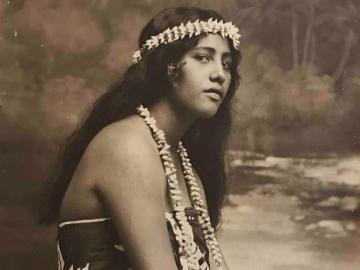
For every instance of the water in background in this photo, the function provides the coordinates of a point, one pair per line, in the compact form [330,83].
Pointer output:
[292,213]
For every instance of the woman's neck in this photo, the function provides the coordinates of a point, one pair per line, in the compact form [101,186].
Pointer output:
[171,120]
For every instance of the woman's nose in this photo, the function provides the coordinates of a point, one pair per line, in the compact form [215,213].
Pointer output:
[218,74]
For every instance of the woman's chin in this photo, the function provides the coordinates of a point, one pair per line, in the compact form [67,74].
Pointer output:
[207,112]
[204,110]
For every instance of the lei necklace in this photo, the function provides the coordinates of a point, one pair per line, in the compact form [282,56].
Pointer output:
[187,246]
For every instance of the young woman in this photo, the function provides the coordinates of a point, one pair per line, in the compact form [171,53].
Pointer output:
[141,183]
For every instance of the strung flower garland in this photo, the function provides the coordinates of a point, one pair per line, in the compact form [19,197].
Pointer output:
[204,219]
[187,246]
[189,29]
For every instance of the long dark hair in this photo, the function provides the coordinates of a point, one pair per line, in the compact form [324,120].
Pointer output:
[145,82]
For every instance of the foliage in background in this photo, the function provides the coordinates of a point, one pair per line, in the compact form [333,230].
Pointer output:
[300,91]
[299,68]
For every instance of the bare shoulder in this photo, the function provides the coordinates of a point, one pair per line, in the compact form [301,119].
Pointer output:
[129,133]
[123,143]
[122,154]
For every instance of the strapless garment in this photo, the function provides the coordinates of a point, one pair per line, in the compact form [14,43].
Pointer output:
[94,244]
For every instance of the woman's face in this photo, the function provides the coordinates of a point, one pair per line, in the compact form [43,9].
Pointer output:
[204,77]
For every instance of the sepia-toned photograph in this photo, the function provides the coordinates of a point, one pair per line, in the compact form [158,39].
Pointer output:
[180,135]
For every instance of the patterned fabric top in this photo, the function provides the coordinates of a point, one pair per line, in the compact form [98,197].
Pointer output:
[94,244]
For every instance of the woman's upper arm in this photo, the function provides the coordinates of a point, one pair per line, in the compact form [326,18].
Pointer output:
[129,179]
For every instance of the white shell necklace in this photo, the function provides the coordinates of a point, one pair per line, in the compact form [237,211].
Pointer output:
[187,246]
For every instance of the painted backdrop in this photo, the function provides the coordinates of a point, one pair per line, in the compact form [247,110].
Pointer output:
[293,155]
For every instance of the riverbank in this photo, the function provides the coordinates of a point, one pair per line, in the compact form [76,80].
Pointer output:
[293,214]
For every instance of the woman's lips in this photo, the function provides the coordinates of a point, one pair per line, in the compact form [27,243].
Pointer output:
[214,94]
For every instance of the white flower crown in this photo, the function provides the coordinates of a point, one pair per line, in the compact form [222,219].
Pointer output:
[190,29]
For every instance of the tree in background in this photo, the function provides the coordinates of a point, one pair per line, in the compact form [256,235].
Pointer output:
[297,61]
[289,98]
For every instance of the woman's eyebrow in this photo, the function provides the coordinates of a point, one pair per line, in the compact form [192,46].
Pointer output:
[212,51]
[208,49]
[227,55]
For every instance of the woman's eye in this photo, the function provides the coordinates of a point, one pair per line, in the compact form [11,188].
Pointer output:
[227,65]
[202,58]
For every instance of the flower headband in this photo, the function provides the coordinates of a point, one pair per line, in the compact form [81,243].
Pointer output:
[190,29]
